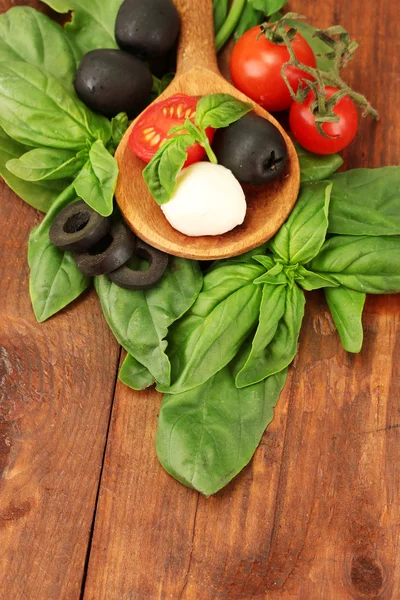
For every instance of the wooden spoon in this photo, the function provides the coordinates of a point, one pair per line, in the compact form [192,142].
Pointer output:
[267,206]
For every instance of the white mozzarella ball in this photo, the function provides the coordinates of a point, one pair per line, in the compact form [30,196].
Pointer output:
[208,200]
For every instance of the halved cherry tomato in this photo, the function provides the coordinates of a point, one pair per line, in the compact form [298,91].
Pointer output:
[151,129]
[302,124]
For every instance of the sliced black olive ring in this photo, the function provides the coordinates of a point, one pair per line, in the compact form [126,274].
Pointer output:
[132,279]
[108,254]
[78,227]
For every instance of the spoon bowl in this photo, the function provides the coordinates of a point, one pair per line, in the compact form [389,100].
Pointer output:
[268,206]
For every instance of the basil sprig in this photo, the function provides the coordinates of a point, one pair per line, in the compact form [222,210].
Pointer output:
[214,110]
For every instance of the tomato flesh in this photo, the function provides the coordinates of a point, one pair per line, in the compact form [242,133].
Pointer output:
[152,127]
[302,124]
[256,65]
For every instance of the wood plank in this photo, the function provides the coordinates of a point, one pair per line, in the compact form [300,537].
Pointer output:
[56,389]
[315,515]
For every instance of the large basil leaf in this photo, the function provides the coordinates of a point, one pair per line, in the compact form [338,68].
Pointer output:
[55,280]
[316,167]
[303,234]
[365,264]
[365,202]
[42,164]
[161,172]
[207,435]
[27,35]
[140,319]
[267,7]
[275,342]
[96,182]
[210,335]
[311,281]
[92,24]
[346,307]
[219,110]
[134,374]
[36,110]
[40,195]
[247,257]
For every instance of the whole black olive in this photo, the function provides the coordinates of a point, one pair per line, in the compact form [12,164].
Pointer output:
[112,81]
[252,148]
[78,227]
[132,279]
[147,28]
[109,253]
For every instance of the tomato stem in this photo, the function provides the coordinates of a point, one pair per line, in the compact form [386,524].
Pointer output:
[342,52]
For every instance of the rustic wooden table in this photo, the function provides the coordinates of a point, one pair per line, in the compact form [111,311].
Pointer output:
[87,512]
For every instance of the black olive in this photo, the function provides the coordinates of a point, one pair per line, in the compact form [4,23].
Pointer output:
[131,279]
[109,253]
[147,28]
[252,148]
[112,81]
[78,227]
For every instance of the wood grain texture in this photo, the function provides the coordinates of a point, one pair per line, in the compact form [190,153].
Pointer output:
[315,515]
[56,389]
[267,206]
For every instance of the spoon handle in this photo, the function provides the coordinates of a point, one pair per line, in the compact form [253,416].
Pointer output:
[196,43]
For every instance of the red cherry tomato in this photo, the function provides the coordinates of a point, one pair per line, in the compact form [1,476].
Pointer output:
[151,129]
[256,65]
[302,124]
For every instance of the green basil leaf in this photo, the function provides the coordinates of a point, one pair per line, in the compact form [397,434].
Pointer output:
[159,85]
[134,374]
[40,195]
[219,110]
[45,164]
[55,280]
[312,281]
[267,7]
[96,182]
[272,309]
[365,264]
[316,167]
[210,335]
[92,24]
[36,110]
[303,234]
[220,11]
[140,319]
[266,261]
[249,18]
[26,35]
[119,125]
[320,49]
[366,202]
[220,283]
[275,276]
[207,435]
[275,343]
[161,172]
[246,257]
[346,307]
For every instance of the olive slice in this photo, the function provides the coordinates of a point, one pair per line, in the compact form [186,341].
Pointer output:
[77,227]
[132,279]
[110,253]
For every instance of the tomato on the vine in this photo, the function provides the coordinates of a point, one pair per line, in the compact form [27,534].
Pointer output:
[152,127]
[302,124]
[256,65]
